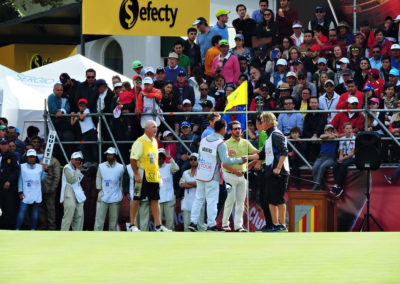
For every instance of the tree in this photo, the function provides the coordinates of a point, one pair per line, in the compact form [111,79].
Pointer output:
[8,11]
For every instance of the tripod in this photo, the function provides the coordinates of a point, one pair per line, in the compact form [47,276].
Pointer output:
[367,216]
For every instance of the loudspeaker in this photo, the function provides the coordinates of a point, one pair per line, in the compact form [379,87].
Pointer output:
[368,150]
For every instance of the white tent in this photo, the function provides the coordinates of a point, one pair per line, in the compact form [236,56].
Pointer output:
[44,78]
[21,104]
[23,95]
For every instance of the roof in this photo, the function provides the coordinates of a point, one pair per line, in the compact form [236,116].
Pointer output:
[60,25]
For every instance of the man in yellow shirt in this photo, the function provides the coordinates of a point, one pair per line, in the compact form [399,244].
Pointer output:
[234,176]
[144,163]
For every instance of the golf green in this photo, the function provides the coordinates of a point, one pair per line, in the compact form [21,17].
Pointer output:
[121,257]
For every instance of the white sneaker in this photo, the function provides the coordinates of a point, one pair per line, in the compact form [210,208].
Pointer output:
[163,229]
[133,229]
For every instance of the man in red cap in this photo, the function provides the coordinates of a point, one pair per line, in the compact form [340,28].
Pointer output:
[376,82]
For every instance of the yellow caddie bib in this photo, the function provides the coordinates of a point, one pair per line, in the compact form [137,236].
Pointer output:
[149,161]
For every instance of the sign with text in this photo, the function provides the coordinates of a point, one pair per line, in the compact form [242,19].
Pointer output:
[49,147]
[142,17]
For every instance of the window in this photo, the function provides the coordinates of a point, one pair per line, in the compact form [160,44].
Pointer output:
[113,57]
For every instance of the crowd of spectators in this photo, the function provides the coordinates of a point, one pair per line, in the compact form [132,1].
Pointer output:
[289,65]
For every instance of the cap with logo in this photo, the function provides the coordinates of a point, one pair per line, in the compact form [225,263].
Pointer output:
[221,12]
[223,42]
[160,70]
[264,86]
[207,103]
[111,150]
[77,155]
[185,124]
[374,72]
[31,153]
[137,64]
[64,77]
[147,80]
[352,100]
[182,73]
[199,21]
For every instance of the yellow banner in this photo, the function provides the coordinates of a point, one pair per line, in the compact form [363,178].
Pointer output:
[142,17]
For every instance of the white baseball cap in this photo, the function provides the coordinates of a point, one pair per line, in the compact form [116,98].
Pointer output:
[31,152]
[148,80]
[166,133]
[186,101]
[111,150]
[77,155]
[149,69]
[352,100]
[395,46]
[281,61]
[291,74]
[344,60]
[161,151]
[296,25]
[194,155]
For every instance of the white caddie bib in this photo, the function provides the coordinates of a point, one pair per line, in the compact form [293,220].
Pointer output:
[167,187]
[190,193]
[110,185]
[207,159]
[79,194]
[31,183]
[148,108]
[269,152]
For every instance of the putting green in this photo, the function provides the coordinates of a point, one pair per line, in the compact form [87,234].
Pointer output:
[120,257]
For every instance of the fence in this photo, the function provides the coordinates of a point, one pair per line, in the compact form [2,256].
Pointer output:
[102,120]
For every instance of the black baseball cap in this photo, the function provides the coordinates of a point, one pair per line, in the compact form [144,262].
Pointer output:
[207,103]
[64,77]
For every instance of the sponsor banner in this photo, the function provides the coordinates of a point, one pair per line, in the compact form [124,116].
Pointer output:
[142,17]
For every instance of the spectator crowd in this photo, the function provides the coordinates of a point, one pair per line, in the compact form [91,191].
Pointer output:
[289,65]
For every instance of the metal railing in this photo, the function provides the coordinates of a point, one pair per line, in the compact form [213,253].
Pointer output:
[160,115]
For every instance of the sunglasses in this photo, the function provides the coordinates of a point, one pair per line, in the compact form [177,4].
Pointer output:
[319,11]
[90,77]
[203,89]
[267,14]
[328,86]
[354,104]
[236,128]
[288,104]
[193,159]
[376,52]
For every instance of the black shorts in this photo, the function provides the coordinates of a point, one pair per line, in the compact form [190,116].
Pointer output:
[151,190]
[275,188]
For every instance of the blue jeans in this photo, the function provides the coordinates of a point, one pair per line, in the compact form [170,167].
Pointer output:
[34,214]
[339,170]
[396,174]
[322,163]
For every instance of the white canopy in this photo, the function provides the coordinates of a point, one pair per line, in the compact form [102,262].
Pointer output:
[23,95]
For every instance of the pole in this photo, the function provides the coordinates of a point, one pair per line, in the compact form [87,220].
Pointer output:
[355,16]
[247,173]
[82,35]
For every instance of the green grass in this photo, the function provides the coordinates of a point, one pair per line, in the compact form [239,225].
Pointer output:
[120,257]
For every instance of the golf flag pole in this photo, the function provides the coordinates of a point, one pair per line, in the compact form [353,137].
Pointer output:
[247,167]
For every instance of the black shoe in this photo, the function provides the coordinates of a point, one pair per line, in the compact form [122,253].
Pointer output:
[214,229]
[193,227]
[388,179]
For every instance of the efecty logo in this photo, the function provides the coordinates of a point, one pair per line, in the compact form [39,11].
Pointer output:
[130,11]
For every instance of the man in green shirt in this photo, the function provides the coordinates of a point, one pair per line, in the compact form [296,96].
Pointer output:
[183,60]
[234,176]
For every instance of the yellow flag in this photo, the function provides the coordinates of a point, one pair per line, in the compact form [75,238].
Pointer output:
[237,97]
